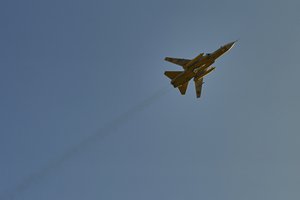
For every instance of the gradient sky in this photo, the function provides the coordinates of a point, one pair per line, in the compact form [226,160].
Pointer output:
[69,69]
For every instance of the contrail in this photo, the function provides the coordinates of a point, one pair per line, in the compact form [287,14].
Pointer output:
[102,133]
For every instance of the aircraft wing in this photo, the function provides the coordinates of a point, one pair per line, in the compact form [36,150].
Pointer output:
[178,61]
[198,86]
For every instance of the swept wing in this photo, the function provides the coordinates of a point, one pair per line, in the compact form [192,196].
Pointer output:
[178,61]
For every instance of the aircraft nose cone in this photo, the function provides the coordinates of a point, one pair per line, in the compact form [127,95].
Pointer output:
[230,45]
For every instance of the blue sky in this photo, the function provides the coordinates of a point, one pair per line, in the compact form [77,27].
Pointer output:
[86,112]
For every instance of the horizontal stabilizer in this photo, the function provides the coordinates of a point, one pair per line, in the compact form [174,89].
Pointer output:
[172,74]
[198,86]
[183,88]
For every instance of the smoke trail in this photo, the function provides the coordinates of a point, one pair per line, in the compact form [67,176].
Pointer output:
[102,133]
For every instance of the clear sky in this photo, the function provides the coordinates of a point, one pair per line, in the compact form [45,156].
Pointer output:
[86,112]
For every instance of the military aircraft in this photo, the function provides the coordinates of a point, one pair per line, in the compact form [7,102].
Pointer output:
[196,68]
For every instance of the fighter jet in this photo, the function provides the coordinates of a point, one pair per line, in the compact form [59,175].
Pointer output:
[196,68]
